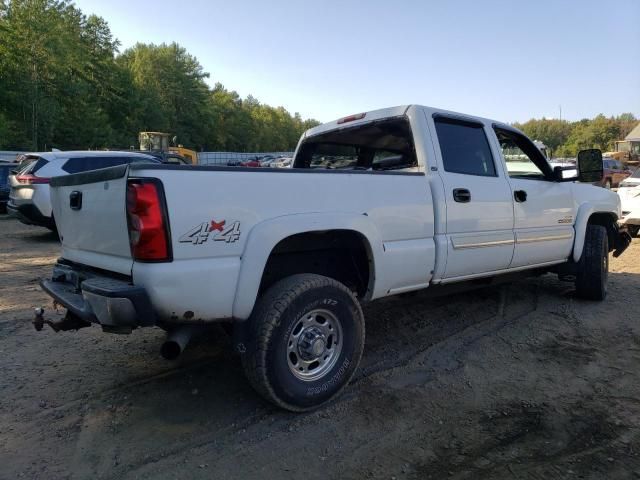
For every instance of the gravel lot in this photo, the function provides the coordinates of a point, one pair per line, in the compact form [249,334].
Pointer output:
[521,381]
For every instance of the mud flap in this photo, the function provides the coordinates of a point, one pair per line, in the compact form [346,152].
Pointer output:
[622,241]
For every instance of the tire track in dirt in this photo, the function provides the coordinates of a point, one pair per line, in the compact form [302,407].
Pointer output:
[470,331]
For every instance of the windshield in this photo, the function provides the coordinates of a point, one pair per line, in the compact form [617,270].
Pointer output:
[383,145]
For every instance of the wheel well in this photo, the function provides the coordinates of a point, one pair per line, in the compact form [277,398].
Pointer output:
[343,255]
[607,220]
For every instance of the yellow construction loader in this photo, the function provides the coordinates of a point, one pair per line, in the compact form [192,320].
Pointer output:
[159,142]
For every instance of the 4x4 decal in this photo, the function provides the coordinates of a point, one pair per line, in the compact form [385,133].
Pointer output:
[213,231]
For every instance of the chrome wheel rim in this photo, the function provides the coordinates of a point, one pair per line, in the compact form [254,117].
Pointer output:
[314,345]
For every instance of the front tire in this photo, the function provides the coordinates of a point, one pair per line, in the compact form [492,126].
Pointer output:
[593,267]
[306,340]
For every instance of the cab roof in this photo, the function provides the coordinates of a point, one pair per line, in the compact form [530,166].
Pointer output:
[398,111]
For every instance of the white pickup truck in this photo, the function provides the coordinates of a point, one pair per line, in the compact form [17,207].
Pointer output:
[376,204]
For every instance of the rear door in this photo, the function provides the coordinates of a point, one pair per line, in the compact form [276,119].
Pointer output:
[543,208]
[479,208]
[90,213]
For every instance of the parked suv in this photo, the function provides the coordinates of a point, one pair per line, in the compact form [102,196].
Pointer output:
[613,173]
[5,171]
[29,198]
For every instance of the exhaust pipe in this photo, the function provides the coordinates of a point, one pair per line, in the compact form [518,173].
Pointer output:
[176,342]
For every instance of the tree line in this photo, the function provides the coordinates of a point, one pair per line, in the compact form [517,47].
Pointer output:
[65,84]
[566,139]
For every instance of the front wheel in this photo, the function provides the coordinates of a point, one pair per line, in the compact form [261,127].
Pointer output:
[593,267]
[307,337]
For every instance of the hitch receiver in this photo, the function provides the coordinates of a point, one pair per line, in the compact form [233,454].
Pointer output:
[69,322]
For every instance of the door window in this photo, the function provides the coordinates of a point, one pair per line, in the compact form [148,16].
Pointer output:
[464,147]
[522,157]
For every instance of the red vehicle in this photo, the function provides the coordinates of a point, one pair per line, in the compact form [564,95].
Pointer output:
[251,162]
[613,173]
[263,161]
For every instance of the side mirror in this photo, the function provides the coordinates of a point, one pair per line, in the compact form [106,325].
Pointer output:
[590,165]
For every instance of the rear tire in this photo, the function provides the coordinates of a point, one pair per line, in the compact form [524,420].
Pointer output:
[633,230]
[593,267]
[306,337]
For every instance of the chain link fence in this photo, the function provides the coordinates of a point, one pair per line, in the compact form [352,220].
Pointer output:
[223,158]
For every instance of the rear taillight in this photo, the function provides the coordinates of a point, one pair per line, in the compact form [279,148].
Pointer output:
[147,220]
[29,179]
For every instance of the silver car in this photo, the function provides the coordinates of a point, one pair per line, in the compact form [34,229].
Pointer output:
[29,198]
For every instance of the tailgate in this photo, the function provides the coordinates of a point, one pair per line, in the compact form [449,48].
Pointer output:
[89,209]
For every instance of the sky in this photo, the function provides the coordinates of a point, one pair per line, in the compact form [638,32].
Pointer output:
[507,60]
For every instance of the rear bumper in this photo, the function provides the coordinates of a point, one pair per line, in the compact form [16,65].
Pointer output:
[113,303]
[29,214]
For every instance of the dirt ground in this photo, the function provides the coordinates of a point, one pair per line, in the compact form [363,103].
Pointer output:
[517,382]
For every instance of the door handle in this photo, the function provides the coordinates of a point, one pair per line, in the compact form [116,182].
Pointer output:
[461,195]
[520,196]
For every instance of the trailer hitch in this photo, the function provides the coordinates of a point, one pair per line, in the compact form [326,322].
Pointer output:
[69,322]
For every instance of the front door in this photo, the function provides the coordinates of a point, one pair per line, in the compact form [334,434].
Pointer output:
[543,208]
[479,208]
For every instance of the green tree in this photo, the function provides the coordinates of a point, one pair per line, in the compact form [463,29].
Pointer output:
[64,84]
[553,133]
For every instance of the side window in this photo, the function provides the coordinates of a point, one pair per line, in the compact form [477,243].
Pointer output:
[521,156]
[464,147]
[83,164]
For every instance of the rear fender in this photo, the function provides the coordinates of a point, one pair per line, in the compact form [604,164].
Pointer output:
[266,235]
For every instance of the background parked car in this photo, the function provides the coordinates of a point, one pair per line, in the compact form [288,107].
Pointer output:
[251,162]
[629,193]
[5,171]
[29,198]
[614,173]
[282,162]
[267,161]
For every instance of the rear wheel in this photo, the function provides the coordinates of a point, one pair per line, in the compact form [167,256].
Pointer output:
[307,337]
[593,267]
[633,230]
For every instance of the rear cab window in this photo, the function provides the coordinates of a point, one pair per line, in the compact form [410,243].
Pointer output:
[382,145]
